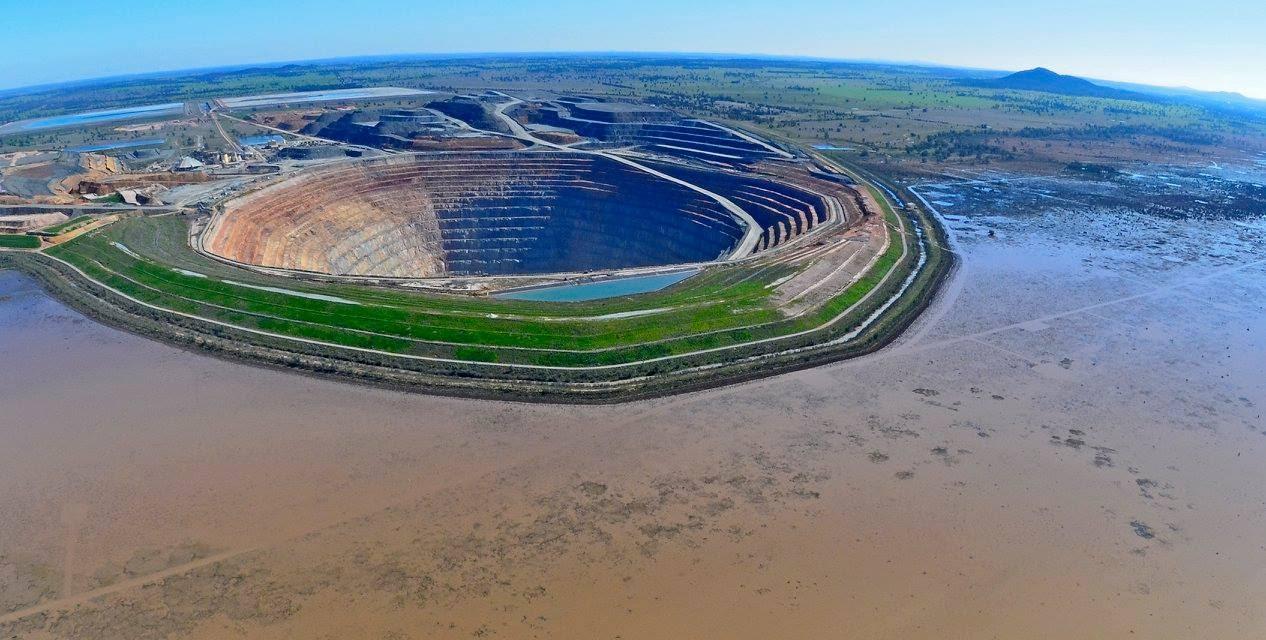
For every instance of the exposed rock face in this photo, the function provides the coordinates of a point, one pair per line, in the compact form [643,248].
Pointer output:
[317,153]
[473,213]
[25,222]
[99,163]
[473,112]
[621,112]
[394,128]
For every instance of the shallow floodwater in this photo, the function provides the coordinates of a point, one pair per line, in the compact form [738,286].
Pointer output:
[600,289]
[1070,444]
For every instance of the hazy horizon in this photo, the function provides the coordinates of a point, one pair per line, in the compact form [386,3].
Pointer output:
[1155,43]
[666,54]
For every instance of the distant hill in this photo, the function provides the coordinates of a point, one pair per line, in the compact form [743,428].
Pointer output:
[1226,101]
[1042,79]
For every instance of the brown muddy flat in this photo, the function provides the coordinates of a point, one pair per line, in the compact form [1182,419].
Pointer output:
[1071,444]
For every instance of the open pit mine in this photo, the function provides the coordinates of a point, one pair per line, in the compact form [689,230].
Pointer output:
[543,247]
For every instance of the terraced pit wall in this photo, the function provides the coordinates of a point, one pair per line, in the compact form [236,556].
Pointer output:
[473,214]
[693,138]
[784,211]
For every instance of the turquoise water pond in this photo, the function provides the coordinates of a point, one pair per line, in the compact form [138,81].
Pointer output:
[597,290]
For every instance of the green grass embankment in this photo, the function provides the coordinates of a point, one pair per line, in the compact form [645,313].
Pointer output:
[15,241]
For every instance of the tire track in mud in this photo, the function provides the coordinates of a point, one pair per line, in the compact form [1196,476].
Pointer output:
[134,583]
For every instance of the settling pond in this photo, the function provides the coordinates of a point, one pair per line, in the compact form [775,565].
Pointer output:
[93,117]
[298,97]
[260,140]
[118,144]
[612,288]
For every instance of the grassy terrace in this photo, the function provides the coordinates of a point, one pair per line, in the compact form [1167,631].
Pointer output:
[69,225]
[724,306]
[16,241]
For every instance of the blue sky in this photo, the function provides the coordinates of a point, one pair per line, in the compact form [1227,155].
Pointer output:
[1212,44]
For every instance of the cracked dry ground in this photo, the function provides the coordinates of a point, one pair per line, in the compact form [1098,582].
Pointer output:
[1058,450]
